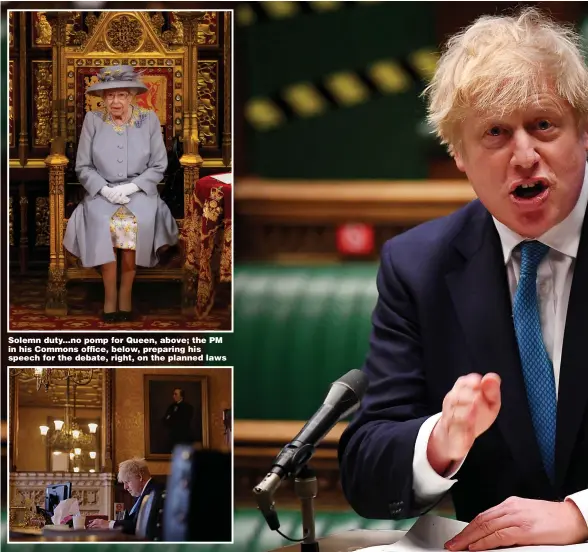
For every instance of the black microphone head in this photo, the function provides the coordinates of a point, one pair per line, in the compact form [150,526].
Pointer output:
[342,399]
[356,380]
[346,393]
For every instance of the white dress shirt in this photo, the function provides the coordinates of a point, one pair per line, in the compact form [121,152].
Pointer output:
[554,281]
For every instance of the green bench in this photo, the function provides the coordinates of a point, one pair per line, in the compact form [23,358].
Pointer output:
[297,329]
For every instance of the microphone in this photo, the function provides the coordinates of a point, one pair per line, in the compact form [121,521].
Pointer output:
[342,399]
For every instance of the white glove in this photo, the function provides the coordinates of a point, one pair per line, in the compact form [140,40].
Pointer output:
[114,195]
[128,189]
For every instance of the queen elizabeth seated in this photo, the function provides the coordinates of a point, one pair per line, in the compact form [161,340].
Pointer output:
[120,160]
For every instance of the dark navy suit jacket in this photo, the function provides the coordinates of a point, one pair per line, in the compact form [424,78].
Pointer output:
[129,523]
[444,310]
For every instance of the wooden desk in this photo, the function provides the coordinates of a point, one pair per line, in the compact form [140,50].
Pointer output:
[26,534]
[351,540]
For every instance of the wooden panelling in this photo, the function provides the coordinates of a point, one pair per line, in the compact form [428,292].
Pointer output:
[297,221]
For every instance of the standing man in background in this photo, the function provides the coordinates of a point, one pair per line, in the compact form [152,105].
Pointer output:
[477,380]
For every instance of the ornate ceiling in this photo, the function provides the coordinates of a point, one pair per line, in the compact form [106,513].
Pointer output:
[87,396]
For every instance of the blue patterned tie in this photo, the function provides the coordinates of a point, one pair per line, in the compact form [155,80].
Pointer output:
[537,367]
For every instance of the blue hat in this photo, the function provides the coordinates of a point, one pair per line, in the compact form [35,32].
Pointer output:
[117,76]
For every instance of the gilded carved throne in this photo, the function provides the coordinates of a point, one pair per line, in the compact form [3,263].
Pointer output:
[183,91]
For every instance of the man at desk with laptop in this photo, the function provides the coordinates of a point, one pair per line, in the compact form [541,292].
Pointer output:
[134,475]
[478,379]
[199,509]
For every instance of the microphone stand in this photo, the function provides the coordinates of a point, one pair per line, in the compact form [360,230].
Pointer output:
[343,399]
[306,488]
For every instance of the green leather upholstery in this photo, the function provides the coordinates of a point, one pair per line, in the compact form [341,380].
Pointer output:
[297,329]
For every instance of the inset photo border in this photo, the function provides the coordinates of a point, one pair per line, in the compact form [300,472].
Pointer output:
[82,443]
[70,272]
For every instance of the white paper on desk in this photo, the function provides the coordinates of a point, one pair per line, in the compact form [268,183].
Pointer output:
[68,507]
[432,532]
[225,178]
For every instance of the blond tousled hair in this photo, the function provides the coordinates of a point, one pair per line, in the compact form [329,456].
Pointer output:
[499,64]
[134,466]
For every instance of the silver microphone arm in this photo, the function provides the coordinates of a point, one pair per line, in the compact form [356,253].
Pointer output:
[264,496]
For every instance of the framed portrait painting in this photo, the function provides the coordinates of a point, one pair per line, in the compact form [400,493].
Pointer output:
[176,412]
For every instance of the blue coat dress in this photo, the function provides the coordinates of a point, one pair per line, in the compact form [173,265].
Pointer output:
[110,155]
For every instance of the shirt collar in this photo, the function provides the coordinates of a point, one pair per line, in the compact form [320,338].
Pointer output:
[563,237]
[145,486]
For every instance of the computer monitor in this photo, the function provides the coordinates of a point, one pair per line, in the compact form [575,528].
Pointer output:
[54,494]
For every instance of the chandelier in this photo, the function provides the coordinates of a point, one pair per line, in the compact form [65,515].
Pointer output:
[72,440]
[45,376]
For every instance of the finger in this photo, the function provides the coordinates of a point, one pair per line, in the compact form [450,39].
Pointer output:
[503,537]
[464,395]
[469,381]
[465,403]
[492,376]
[490,386]
[464,389]
[459,397]
[463,416]
[482,526]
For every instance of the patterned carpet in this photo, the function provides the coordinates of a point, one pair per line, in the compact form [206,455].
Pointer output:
[156,307]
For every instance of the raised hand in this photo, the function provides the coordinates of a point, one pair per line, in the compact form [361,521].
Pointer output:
[469,409]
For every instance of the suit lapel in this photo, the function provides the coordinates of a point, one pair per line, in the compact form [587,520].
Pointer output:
[573,378]
[479,291]
[137,505]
